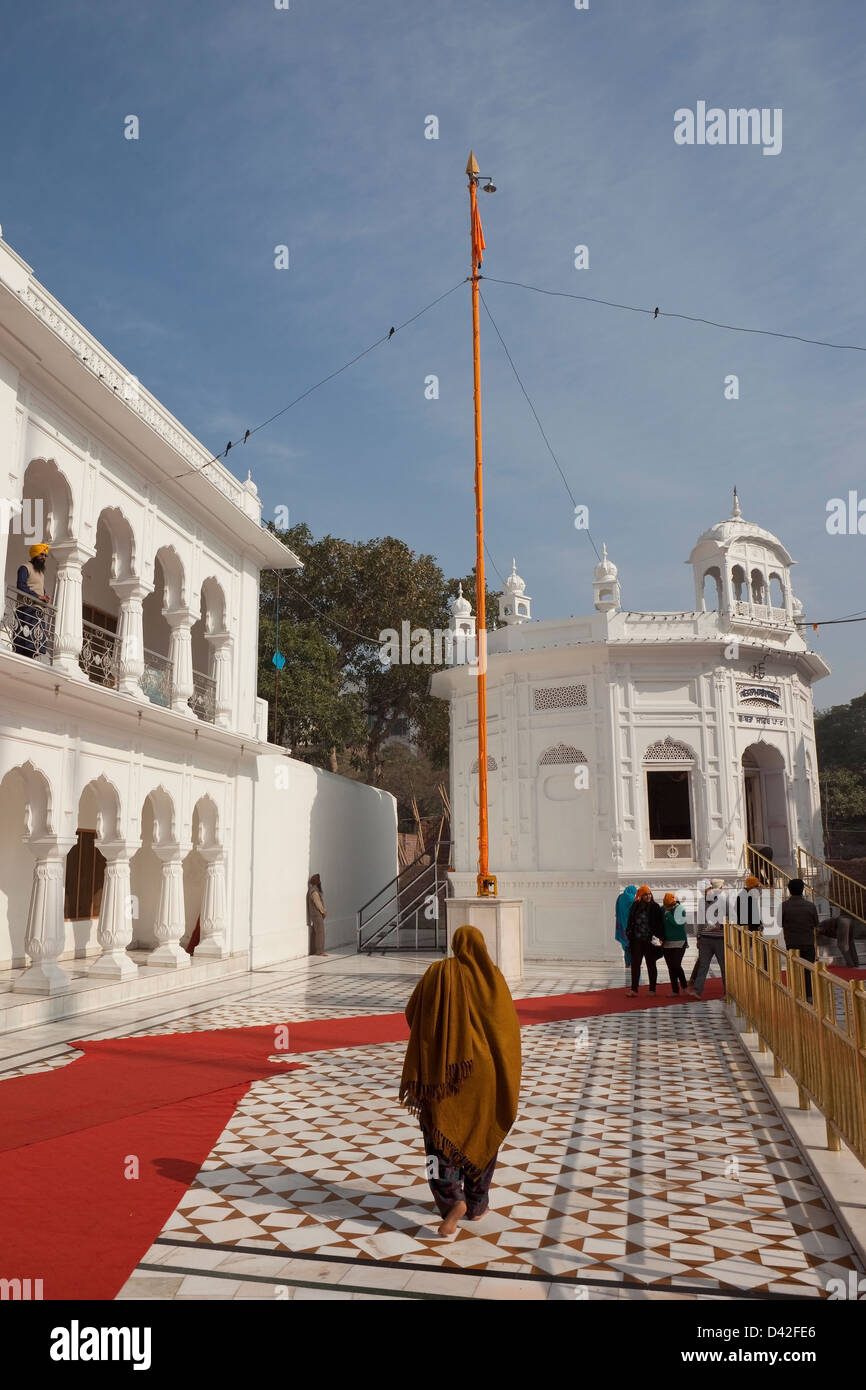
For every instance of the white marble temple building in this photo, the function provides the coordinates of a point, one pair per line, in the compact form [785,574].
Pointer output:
[139,794]
[631,747]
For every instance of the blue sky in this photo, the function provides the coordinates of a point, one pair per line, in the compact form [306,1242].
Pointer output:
[305,127]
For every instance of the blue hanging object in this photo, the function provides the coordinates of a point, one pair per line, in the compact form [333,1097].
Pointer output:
[278,659]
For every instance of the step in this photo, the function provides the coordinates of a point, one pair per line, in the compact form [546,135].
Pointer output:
[87,993]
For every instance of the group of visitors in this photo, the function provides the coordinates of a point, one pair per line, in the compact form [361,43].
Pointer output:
[648,931]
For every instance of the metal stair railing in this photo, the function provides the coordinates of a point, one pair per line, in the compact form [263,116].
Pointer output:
[826,882]
[822,882]
[399,904]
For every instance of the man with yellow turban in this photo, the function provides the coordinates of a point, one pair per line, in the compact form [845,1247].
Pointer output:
[31,620]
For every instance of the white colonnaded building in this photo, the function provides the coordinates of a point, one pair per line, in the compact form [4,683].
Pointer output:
[634,747]
[139,795]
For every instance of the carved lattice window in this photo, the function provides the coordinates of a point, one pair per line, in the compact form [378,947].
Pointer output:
[560,697]
[562,753]
[669,750]
[492,765]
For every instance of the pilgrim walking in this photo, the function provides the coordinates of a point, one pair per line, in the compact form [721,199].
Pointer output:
[461,1074]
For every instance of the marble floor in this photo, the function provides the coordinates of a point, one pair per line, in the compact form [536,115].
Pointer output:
[647,1160]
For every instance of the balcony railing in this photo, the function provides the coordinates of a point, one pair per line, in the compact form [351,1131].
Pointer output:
[762,613]
[27,625]
[155,679]
[100,655]
[202,701]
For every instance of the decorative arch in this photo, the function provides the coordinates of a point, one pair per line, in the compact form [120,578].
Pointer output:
[562,753]
[776,589]
[108,807]
[207,834]
[738,583]
[39,800]
[669,750]
[492,765]
[713,574]
[174,587]
[45,476]
[758,586]
[123,546]
[213,601]
[164,816]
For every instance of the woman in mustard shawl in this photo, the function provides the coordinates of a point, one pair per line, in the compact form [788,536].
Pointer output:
[461,1075]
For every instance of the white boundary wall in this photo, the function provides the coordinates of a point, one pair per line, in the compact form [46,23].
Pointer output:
[308,821]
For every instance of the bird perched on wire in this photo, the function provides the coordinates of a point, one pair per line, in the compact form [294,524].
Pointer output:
[656,312]
[391,334]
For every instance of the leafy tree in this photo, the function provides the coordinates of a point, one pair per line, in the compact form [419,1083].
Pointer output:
[840,733]
[337,609]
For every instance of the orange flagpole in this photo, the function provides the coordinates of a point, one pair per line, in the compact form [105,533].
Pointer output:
[486,884]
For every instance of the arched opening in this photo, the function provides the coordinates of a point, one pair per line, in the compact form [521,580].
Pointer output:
[759,588]
[210,624]
[668,767]
[43,514]
[16,870]
[777,592]
[205,836]
[25,814]
[766,801]
[156,679]
[738,583]
[712,590]
[100,606]
[145,866]
[564,809]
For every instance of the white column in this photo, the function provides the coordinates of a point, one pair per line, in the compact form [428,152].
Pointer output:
[45,936]
[213,906]
[169,926]
[180,620]
[221,645]
[130,636]
[114,929]
[70,556]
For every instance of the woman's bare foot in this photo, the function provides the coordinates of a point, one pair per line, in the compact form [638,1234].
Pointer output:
[479,1216]
[631,994]
[455,1215]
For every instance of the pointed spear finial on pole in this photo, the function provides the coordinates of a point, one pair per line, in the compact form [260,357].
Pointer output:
[472,164]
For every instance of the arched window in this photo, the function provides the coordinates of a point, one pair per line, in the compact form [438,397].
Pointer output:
[738,583]
[777,591]
[492,765]
[668,764]
[562,753]
[712,590]
[759,587]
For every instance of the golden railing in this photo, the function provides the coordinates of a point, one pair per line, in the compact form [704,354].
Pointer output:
[812,1021]
[820,878]
[827,882]
[770,874]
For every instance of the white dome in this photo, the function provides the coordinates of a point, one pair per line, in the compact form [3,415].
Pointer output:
[605,569]
[735,528]
[514,584]
[460,607]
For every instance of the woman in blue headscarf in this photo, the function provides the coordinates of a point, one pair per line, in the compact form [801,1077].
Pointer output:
[623,907]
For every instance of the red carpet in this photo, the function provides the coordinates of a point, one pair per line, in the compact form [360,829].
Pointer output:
[71,1213]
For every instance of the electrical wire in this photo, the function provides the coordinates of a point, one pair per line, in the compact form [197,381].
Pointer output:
[197,467]
[537,420]
[667,314]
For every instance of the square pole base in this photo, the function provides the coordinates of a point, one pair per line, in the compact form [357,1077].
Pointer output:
[500,921]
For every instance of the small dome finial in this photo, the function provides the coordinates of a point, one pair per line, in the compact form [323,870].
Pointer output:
[736,512]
